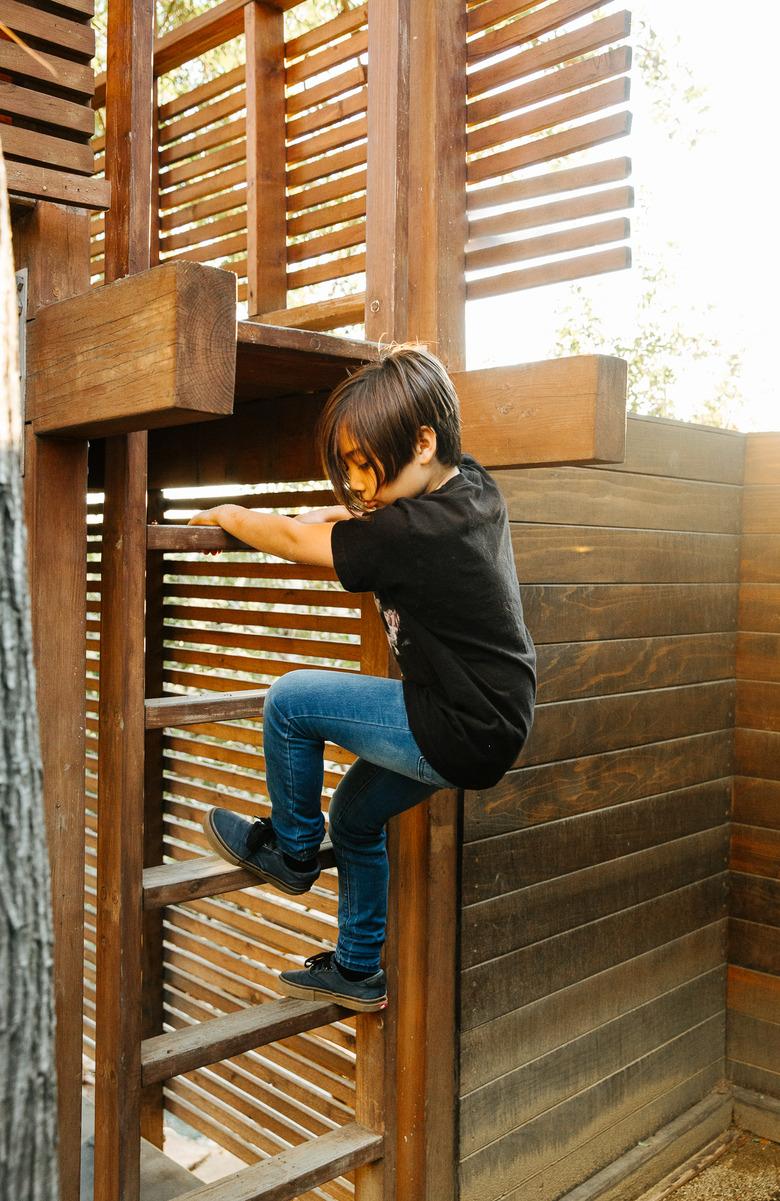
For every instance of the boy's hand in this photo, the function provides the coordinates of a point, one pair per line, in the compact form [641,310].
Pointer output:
[208,516]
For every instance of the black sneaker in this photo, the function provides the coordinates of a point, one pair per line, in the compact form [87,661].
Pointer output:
[253,845]
[322,981]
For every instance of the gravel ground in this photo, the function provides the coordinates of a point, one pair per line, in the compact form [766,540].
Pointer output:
[748,1171]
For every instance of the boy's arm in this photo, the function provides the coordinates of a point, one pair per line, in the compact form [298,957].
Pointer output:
[272,533]
[332,513]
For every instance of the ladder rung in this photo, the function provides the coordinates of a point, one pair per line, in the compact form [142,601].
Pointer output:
[288,1175]
[206,876]
[195,1046]
[191,538]
[190,709]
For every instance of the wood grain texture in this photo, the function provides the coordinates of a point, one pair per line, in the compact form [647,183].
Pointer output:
[755,994]
[577,669]
[495,866]
[591,783]
[519,1036]
[584,612]
[758,657]
[592,725]
[51,242]
[503,1168]
[533,912]
[553,554]
[762,459]
[757,753]
[555,411]
[760,559]
[120,823]
[661,446]
[756,897]
[495,1110]
[179,321]
[289,1174]
[619,498]
[490,990]
[754,945]
[44,183]
[205,876]
[757,801]
[265,159]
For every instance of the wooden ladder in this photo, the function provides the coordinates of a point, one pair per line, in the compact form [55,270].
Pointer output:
[127,894]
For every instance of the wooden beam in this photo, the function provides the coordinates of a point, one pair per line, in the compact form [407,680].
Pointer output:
[265,159]
[120,823]
[52,242]
[570,410]
[129,135]
[157,348]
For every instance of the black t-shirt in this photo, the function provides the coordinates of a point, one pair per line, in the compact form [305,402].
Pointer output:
[442,570]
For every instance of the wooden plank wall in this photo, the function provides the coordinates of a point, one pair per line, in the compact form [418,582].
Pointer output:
[223,953]
[594,878]
[754,928]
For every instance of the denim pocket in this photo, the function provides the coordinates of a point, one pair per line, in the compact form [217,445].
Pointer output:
[428,776]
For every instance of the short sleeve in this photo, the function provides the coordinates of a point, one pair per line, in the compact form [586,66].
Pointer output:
[368,552]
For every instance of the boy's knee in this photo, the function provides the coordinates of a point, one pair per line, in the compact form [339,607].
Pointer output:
[282,694]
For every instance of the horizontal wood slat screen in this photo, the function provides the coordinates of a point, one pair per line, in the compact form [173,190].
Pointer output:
[46,116]
[202,174]
[547,85]
[594,881]
[754,927]
[540,77]
[231,623]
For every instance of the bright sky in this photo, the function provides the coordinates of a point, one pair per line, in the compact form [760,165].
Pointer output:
[717,201]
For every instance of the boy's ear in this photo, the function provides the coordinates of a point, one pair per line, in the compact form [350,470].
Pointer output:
[426,442]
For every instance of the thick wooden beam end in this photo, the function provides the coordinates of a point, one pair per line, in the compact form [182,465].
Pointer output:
[153,349]
[570,410]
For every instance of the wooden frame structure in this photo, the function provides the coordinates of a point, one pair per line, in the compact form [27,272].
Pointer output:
[424,149]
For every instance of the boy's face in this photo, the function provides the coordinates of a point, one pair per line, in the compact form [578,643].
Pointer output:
[421,474]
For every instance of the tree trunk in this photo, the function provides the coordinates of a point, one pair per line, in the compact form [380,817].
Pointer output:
[28,1087]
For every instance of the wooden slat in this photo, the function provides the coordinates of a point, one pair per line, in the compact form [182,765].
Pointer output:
[758,704]
[757,802]
[760,558]
[208,232]
[216,136]
[329,164]
[314,65]
[316,144]
[596,233]
[762,459]
[205,115]
[322,314]
[63,32]
[221,1038]
[50,110]
[329,114]
[551,182]
[191,710]
[67,74]
[198,96]
[338,268]
[322,218]
[528,27]
[205,164]
[557,83]
[176,219]
[340,239]
[545,116]
[532,913]
[204,876]
[591,204]
[328,31]
[45,183]
[285,1176]
[519,1036]
[44,148]
[761,509]
[553,145]
[495,866]
[581,267]
[345,185]
[550,53]
[577,669]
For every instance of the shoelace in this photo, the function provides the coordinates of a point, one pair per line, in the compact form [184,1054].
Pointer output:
[323,959]
[261,832]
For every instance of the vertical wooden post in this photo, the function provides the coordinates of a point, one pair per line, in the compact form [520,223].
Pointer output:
[265,160]
[120,823]
[152,999]
[415,289]
[129,89]
[53,243]
[154,232]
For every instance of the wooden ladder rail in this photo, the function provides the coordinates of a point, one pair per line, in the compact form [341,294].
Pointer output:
[126,1062]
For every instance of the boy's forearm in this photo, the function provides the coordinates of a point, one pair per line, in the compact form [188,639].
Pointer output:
[330,513]
[275,535]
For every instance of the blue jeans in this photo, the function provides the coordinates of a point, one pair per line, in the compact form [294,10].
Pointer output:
[365,715]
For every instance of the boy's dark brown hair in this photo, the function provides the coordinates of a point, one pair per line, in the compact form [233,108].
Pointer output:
[382,406]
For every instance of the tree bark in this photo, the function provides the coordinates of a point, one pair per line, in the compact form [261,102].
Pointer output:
[28,1087]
